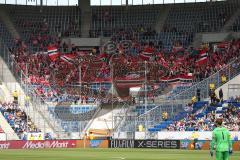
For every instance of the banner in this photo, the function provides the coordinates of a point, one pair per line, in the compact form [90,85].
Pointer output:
[179,78]
[203,145]
[121,143]
[92,143]
[160,144]
[37,144]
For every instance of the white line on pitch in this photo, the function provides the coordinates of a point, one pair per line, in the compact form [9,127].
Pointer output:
[118,158]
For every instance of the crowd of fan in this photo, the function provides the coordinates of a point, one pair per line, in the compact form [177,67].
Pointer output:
[192,122]
[17,119]
[128,61]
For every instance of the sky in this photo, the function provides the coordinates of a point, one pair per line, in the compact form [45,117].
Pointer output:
[95,2]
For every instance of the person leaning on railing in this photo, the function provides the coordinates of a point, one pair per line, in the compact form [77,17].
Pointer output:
[165,116]
[15,96]
[223,79]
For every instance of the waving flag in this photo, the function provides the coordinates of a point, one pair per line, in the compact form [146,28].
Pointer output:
[223,45]
[202,57]
[53,53]
[147,53]
[68,58]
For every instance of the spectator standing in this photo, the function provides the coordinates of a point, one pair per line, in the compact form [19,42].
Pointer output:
[221,95]
[165,116]
[194,99]
[198,95]
[223,79]
[15,96]
[27,100]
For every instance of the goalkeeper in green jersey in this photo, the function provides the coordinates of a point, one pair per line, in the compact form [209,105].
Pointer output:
[221,142]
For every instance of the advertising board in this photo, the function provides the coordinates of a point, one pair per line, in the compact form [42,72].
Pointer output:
[160,144]
[37,144]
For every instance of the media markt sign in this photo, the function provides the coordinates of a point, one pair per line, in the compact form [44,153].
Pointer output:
[4,145]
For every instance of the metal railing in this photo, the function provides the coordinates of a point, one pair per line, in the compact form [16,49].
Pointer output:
[176,103]
[38,111]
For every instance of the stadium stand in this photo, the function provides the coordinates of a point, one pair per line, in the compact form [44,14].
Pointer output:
[40,26]
[17,119]
[236,25]
[199,17]
[107,21]
[73,118]
[184,65]
[202,118]
[83,78]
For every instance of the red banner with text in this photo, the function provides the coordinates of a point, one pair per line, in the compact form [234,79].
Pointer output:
[38,144]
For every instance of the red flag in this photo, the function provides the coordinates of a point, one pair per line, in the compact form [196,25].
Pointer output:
[53,53]
[223,45]
[68,58]
[147,53]
[202,57]
[177,78]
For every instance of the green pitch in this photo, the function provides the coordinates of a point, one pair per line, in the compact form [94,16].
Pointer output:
[107,154]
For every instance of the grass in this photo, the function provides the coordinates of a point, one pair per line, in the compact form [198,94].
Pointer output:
[107,154]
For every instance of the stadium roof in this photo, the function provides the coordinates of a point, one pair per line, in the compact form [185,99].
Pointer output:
[98,2]
[140,2]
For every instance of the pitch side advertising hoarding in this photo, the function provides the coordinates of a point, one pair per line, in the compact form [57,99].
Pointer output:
[38,144]
[160,144]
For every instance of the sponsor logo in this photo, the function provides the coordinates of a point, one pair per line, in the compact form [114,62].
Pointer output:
[95,143]
[121,144]
[4,146]
[45,144]
[164,144]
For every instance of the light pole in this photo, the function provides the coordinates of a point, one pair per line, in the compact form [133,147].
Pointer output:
[112,81]
[145,96]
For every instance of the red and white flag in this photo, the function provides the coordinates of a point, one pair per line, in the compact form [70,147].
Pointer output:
[53,53]
[223,45]
[147,53]
[68,58]
[178,78]
[202,57]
